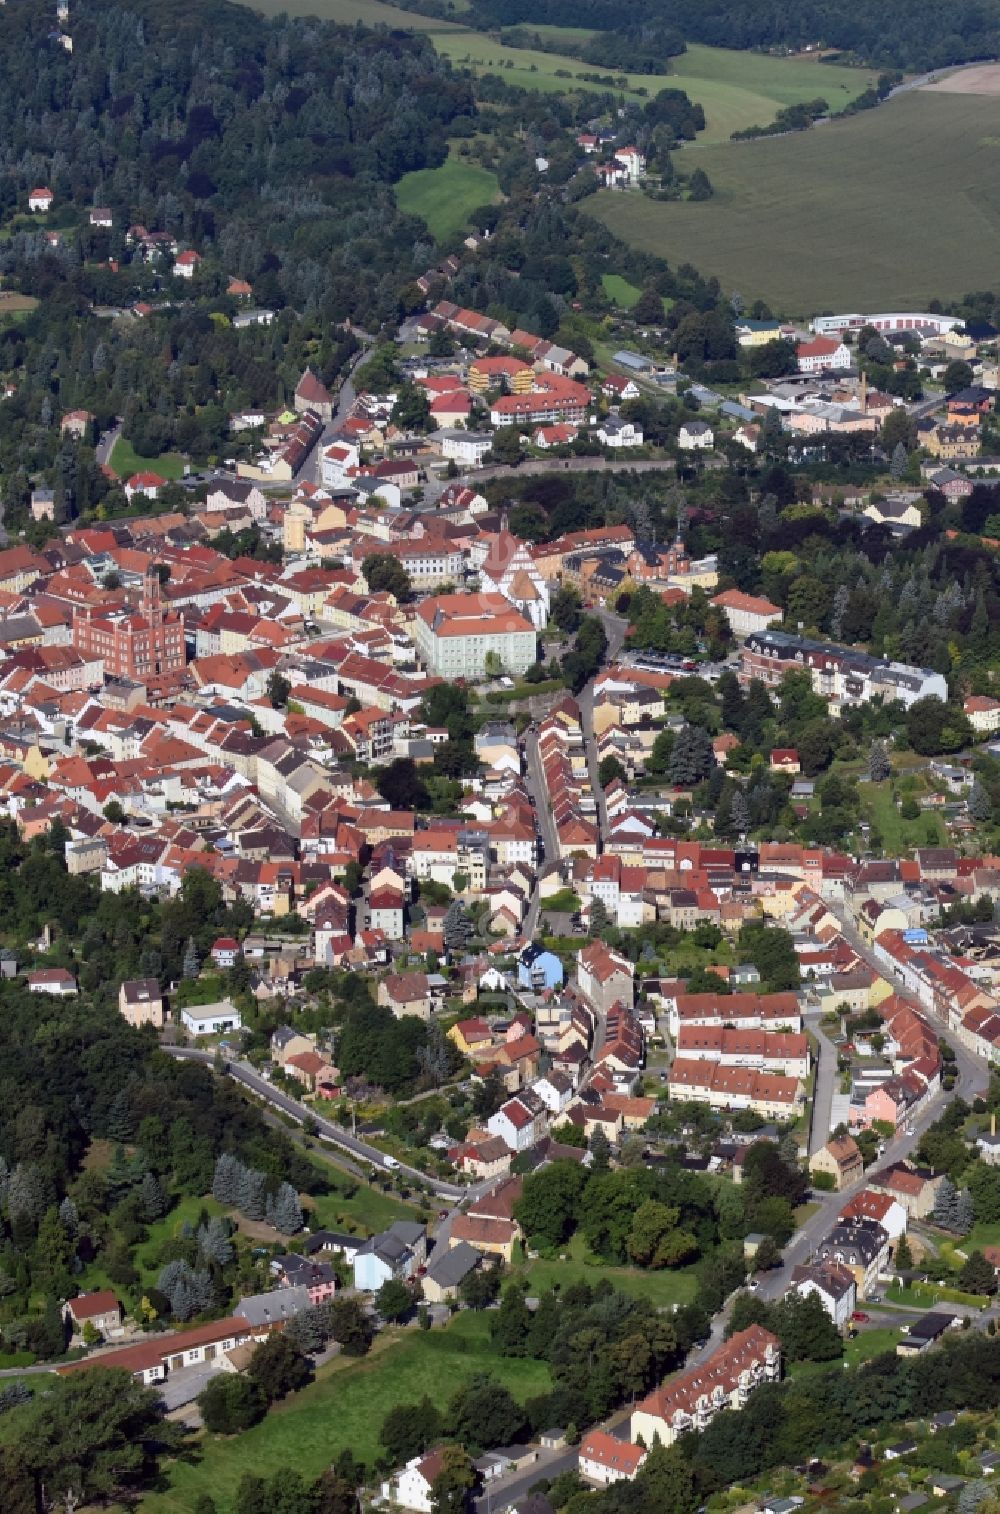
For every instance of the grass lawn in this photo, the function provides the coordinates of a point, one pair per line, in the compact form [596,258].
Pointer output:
[899,836]
[126,461]
[619,290]
[345,1407]
[980,1236]
[921,1295]
[445,196]
[366,1210]
[662,1288]
[789,213]
[865,1345]
[869,1343]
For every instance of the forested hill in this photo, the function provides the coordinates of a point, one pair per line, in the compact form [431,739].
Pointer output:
[907,34]
[270,139]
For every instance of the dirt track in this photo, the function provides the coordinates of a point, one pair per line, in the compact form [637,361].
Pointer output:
[981,79]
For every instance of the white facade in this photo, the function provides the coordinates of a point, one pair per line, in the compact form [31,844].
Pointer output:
[467,448]
[820,361]
[211,1019]
[906,320]
[695,436]
[838,1307]
[411,1489]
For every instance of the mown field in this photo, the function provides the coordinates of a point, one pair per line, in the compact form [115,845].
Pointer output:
[444,196]
[890,208]
[126,461]
[736,89]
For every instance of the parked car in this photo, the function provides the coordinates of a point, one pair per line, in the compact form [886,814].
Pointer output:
[860,1317]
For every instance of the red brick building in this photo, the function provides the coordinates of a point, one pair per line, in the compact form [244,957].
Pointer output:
[141,644]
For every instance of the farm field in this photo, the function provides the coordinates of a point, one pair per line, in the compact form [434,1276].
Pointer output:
[736,89]
[349,12]
[837,217]
[344,1408]
[444,196]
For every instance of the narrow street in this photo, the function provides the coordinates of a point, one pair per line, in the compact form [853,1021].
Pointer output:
[825,1086]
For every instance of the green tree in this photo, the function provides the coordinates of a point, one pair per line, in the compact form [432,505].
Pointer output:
[278,690]
[610,768]
[385,574]
[700,186]
[278,1367]
[394,1301]
[904,1256]
[666,1481]
[451,1489]
[977,1274]
[351,1327]
[506,446]
[655,1240]
[484,1413]
[412,410]
[692,757]
[958,375]
[547,1208]
[567,610]
[230,1403]
[409,1429]
[648,308]
[402,785]
[92,1437]
[933,727]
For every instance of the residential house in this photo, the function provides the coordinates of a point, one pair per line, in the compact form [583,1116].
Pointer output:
[605,978]
[100,1309]
[841,1158]
[539,969]
[406,994]
[835,1287]
[211,1019]
[396,1253]
[413,1488]
[520,1122]
[446,1270]
[863,1247]
[604,1459]
[695,436]
[56,981]
[692,1399]
[140,1001]
[151,1359]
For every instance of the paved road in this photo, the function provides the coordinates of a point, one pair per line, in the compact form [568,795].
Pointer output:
[342,407]
[535,783]
[251,1079]
[826,1084]
[973,1074]
[106,445]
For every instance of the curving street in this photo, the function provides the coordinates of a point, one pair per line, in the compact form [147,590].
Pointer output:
[335,1134]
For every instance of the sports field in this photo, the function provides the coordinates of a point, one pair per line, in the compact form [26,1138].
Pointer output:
[444,196]
[890,208]
[736,89]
